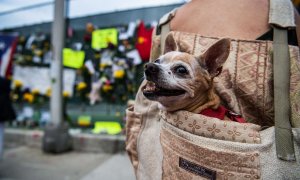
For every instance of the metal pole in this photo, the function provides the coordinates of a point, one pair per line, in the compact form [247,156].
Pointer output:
[56,137]
[57,39]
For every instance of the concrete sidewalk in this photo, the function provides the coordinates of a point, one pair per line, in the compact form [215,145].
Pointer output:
[93,157]
[25,163]
[116,168]
[82,142]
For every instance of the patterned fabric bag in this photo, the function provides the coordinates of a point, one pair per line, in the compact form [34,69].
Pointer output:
[184,145]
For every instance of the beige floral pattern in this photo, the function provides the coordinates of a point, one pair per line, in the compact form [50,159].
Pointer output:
[295,86]
[227,165]
[194,126]
[213,128]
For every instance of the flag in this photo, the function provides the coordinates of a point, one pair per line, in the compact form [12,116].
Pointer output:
[8,45]
[143,44]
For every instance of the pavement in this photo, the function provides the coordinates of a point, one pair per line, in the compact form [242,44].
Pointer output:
[82,142]
[22,162]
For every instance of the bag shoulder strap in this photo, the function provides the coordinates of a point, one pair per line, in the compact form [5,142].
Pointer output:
[165,19]
[281,17]
[281,80]
[281,13]
[163,27]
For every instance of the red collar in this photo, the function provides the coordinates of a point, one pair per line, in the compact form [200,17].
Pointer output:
[221,112]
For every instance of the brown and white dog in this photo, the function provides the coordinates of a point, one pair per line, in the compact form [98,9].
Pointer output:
[180,81]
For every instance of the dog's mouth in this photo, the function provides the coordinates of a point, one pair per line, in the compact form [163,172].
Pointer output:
[152,90]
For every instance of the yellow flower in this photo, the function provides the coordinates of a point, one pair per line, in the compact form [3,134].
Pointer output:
[28,97]
[66,94]
[35,91]
[81,86]
[119,74]
[18,83]
[48,92]
[107,87]
[38,52]
[103,65]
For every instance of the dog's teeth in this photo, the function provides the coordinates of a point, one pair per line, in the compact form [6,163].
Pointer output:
[150,87]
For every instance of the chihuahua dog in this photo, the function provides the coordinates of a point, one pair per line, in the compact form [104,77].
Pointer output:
[180,81]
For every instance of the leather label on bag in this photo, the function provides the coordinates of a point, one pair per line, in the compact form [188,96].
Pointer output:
[197,169]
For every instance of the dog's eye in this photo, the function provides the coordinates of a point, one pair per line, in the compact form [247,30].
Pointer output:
[157,61]
[181,70]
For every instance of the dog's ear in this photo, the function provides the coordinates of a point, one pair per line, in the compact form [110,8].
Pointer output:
[172,45]
[215,56]
[185,47]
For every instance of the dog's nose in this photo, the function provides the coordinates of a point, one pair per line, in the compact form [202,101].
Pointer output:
[151,68]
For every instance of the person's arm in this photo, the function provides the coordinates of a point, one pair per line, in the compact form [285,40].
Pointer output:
[239,19]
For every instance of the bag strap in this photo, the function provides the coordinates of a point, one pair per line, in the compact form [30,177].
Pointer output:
[281,13]
[163,28]
[282,17]
[281,68]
